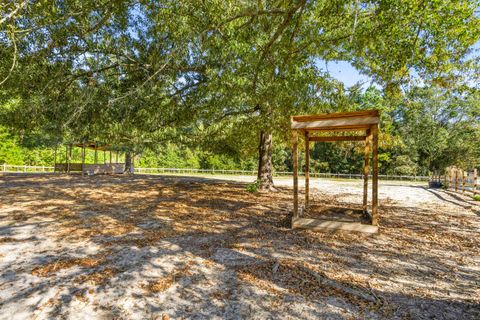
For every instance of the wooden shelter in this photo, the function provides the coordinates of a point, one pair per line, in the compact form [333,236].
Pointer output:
[90,169]
[343,126]
[457,179]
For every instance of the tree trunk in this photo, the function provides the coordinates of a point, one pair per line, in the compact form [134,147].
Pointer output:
[264,174]
[128,162]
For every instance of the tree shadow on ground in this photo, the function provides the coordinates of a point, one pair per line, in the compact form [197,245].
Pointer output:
[451,197]
[223,251]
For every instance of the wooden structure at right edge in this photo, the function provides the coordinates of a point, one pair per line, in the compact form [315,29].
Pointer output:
[459,180]
[323,128]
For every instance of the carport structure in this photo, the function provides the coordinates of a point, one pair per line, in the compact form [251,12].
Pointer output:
[333,127]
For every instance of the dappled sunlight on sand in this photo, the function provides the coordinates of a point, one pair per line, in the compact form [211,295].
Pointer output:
[124,247]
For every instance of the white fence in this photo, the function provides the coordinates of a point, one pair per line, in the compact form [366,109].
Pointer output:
[12,168]
[275,173]
[180,171]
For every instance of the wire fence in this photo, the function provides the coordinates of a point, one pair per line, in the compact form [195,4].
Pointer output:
[186,171]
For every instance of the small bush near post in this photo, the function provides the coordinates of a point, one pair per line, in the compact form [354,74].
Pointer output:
[253,187]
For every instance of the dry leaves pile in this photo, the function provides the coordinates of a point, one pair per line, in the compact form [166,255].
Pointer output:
[55,266]
[163,283]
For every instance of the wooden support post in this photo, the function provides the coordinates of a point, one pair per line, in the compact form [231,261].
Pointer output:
[69,157]
[475,178]
[295,172]
[452,177]
[448,175]
[95,157]
[374,130]
[456,179]
[133,163]
[83,160]
[104,157]
[366,165]
[66,158]
[463,181]
[307,170]
[55,159]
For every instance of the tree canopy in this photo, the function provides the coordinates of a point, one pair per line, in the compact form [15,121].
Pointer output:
[225,76]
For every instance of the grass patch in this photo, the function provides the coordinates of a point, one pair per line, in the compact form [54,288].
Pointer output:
[253,187]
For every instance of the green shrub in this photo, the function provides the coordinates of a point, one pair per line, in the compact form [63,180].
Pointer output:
[253,187]
[476,197]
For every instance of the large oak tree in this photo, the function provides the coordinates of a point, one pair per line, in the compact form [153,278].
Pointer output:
[139,72]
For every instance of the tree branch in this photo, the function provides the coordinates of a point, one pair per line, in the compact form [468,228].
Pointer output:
[276,35]
[254,13]
[14,12]
[14,62]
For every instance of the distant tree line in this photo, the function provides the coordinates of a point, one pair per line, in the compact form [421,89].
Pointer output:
[213,83]
[424,133]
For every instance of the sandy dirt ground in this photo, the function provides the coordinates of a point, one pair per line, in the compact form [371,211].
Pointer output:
[164,247]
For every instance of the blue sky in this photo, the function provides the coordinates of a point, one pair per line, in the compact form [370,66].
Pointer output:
[344,72]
